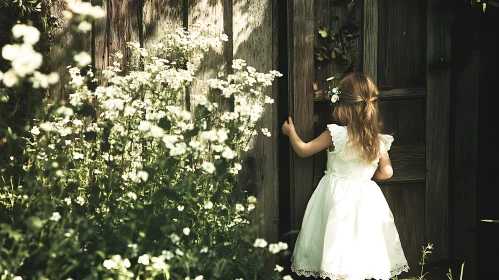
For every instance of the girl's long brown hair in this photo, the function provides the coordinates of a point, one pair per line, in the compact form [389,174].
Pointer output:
[357,109]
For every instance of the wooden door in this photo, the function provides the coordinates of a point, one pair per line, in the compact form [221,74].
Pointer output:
[405,48]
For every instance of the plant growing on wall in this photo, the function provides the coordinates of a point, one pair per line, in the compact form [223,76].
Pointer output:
[337,42]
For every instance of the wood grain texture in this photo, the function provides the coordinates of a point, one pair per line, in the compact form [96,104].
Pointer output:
[160,17]
[214,60]
[301,80]
[464,142]
[401,46]
[370,35]
[404,119]
[408,164]
[255,41]
[437,134]
[100,38]
[123,27]
[407,205]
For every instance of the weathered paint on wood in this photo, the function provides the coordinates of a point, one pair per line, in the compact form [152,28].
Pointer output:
[123,27]
[437,130]
[406,202]
[464,133]
[161,17]
[301,102]
[254,38]
[370,39]
[401,43]
[100,40]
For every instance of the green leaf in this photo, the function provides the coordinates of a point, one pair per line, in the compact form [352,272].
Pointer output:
[337,50]
[484,5]
[34,223]
[219,267]
[493,3]
[323,33]
[491,221]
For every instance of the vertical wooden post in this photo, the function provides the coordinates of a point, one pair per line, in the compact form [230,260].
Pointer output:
[254,40]
[301,107]
[370,39]
[437,127]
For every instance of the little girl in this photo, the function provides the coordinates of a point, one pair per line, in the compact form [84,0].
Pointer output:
[348,231]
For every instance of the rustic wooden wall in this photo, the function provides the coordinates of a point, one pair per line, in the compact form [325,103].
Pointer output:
[252,37]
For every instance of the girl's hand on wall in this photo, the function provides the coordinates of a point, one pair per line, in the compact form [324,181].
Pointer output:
[288,127]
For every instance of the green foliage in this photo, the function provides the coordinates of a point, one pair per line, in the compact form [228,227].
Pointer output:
[121,182]
[483,4]
[337,42]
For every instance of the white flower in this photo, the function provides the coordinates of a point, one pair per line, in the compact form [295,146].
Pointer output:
[84,26]
[251,206]
[132,195]
[204,250]
[200,277]
[17,278]
[239,207]
[334,98]
[10,78]
[208,204]
[83,59]
[55,217]
[251,199]
[287,277]
[47,126]
[228,153]
[208,167]
[269,100]
[110,264]
[30,34]
[143,175]
[144,259]
[278,268]
[283,246]
[180,208]
[127,263]
[266,132]
[144,126]
[77,155]
[330,79]
[186,231]
[86,9]
[260,242]
[174,238]
[35,130]
[335,90]
[274,248]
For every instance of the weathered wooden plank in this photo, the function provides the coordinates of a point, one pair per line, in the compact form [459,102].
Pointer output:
[405,202]
[123,27]
[63,41]
[160,17]
[370,39]
[401,48]
[464,138]
[437,131]
[393,93]
[254,40]
[409,164]
[398,93]
[301,106]
[404,119]
[100,38]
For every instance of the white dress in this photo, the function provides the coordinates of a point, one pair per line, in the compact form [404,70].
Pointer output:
[348,231]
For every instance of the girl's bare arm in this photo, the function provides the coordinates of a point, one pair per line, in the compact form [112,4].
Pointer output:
[385,170]
[301,148]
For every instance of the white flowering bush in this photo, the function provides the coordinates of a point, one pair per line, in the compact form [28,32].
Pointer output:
[120,181]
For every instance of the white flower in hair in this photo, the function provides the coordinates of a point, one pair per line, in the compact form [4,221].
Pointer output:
[334,90]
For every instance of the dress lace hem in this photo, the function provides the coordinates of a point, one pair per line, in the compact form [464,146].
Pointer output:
[334,276]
